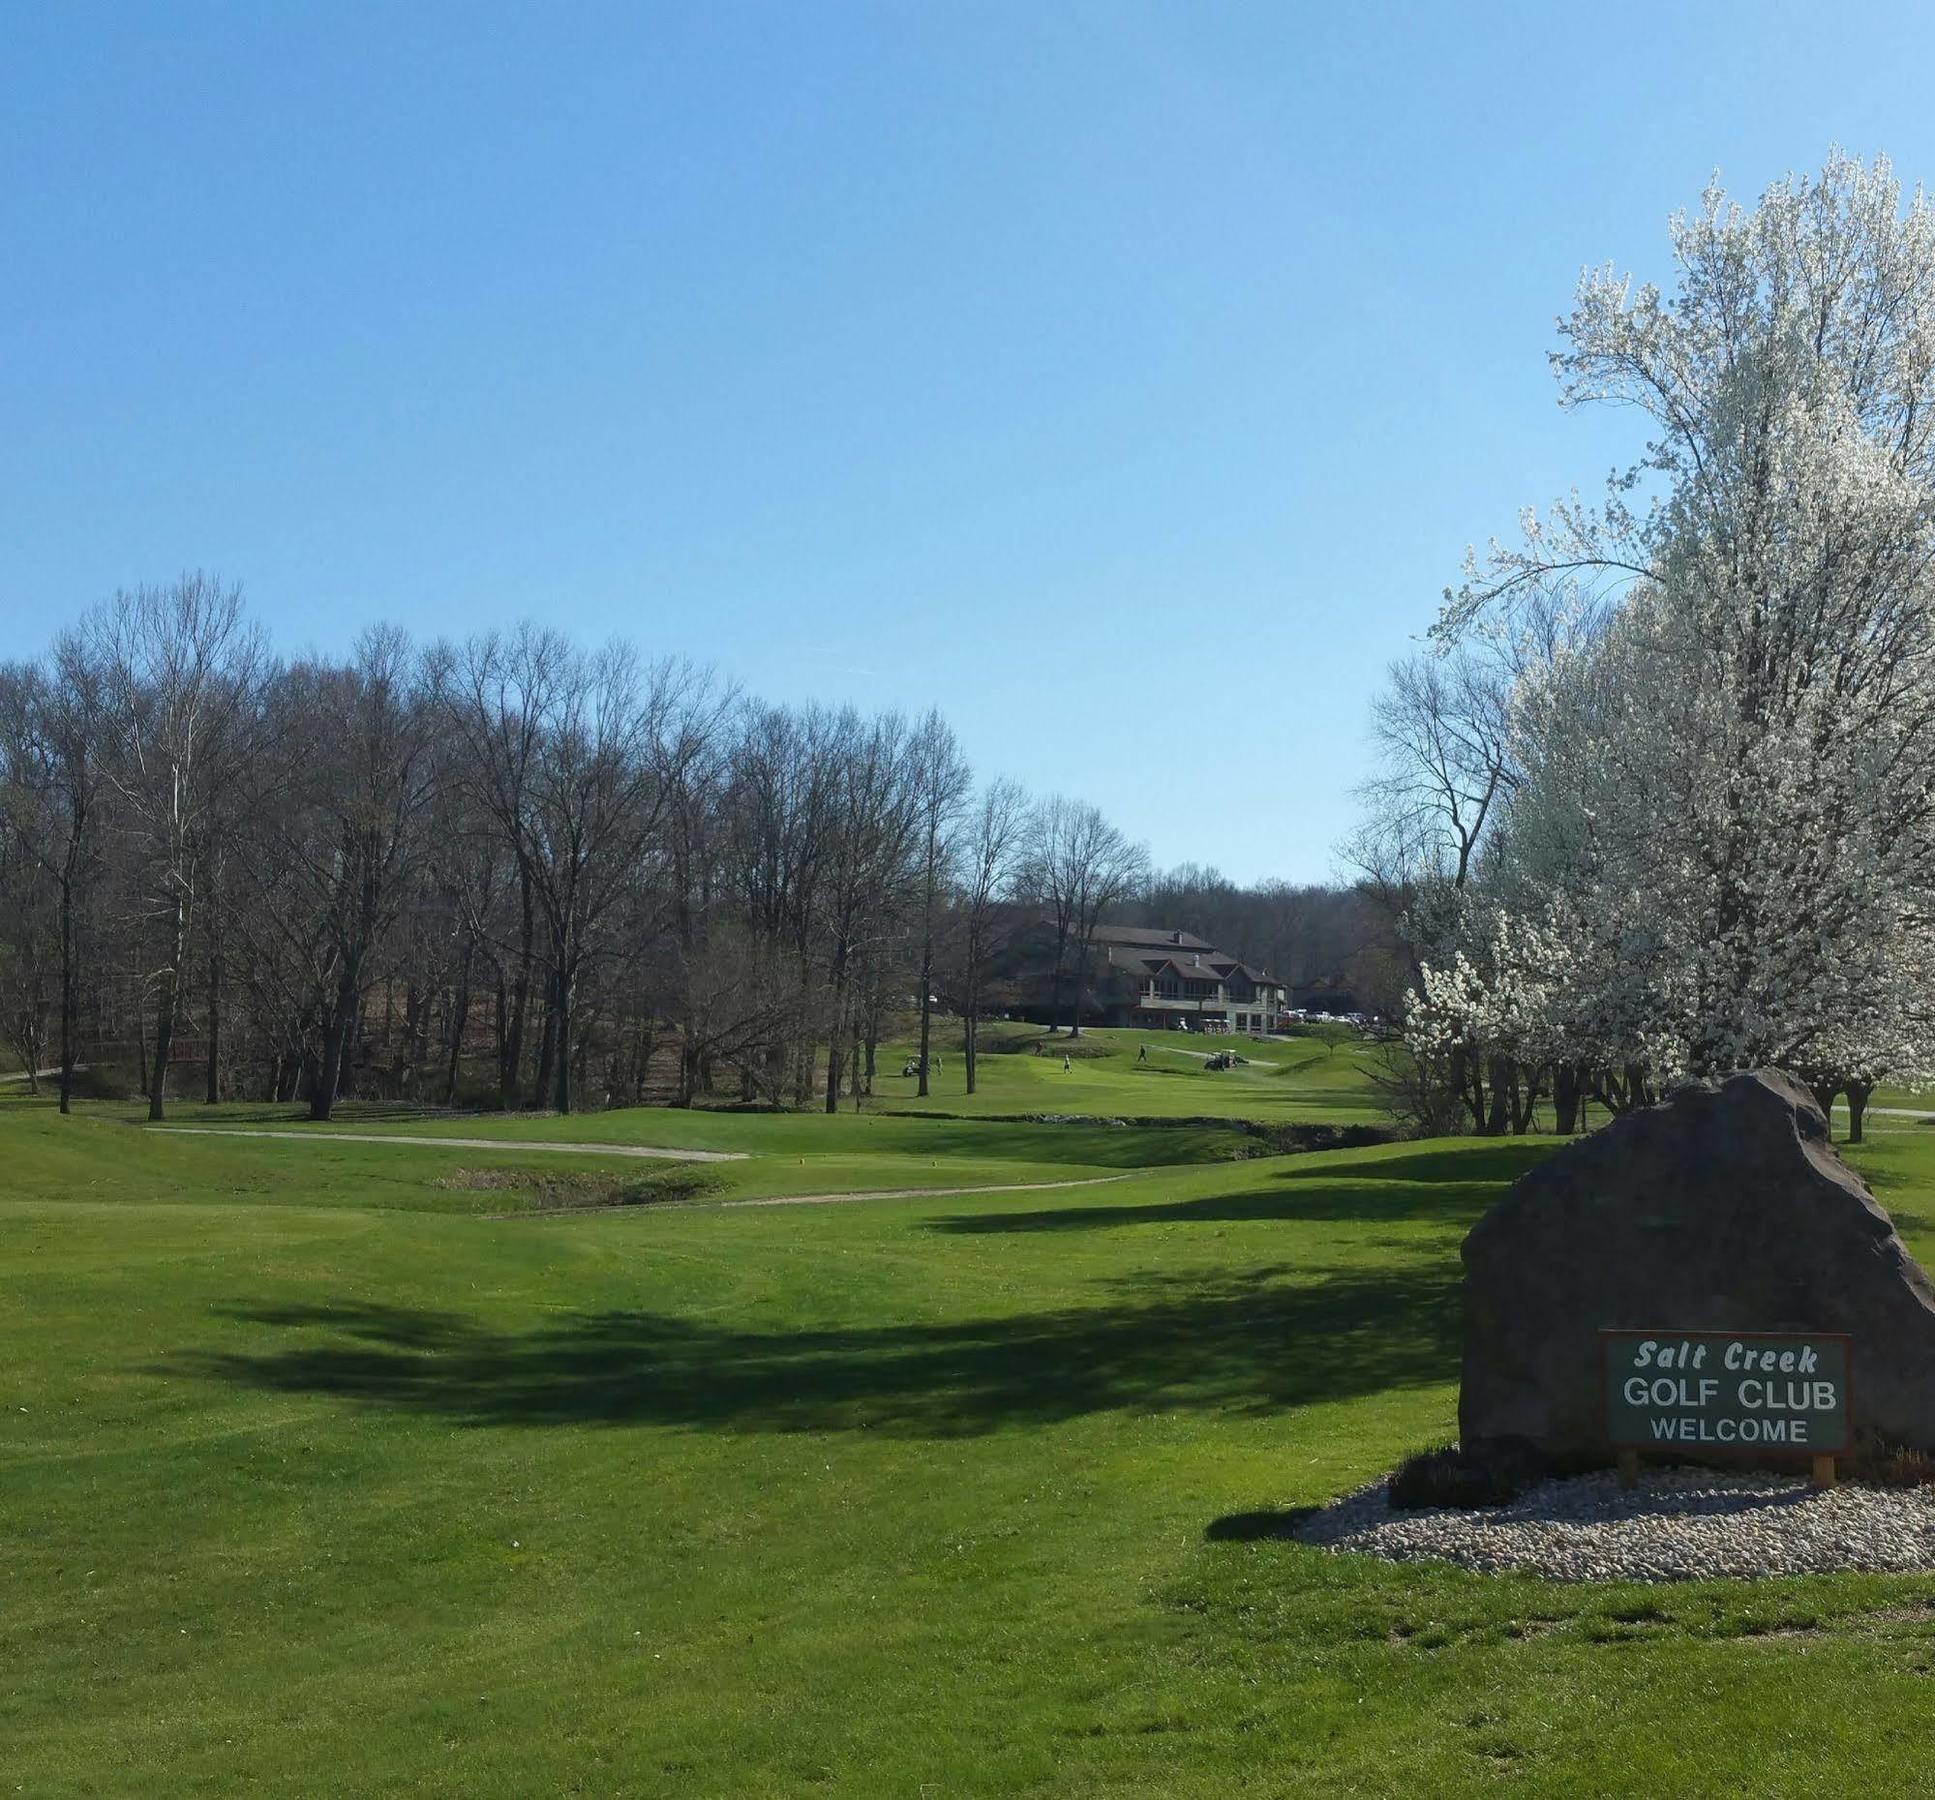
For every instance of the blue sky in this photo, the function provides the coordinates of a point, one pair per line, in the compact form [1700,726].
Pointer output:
[1124,379]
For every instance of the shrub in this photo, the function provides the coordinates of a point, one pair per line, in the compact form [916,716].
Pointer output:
[1880,1462]
[1452,1477]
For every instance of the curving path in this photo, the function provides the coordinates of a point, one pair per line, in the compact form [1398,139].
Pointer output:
[920,1193]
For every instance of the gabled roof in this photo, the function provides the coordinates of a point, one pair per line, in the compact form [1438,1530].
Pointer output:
[1150,937]
[1194,958]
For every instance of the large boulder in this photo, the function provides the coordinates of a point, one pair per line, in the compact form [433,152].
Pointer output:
[1723,1209]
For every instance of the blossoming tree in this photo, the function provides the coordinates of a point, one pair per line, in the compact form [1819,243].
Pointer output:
[1717,849]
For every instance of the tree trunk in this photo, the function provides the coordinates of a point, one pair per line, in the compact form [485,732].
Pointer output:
[1497,1118]
[164,1042]
[212,1073]
[547,1046]
[501,1027]
[688,1069]
[1565,1098]
[354,1038]
[511,1073]
[1525,1101]
[833,1059]
[969,1044]
[567,984]
[67,994]
[329,1074]
[459,1018]
[165,1014]
[1858,1093]
[408,1056]
[926,1011]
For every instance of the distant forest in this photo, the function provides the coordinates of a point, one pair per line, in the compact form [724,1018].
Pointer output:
[515,872]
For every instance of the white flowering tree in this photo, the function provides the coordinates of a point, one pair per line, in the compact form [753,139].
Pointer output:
[1718,850]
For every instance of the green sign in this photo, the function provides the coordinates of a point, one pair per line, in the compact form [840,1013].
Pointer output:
[1716,1391]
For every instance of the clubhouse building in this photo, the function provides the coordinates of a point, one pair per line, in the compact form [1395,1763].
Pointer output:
[1157,978]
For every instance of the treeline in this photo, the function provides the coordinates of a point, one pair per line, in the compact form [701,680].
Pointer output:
[508,872]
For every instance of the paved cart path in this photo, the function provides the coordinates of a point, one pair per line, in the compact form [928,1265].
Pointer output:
[918,1193]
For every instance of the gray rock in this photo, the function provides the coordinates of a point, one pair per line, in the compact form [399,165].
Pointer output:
[1723,1209]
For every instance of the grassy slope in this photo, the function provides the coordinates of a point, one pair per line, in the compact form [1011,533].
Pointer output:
[786,1153]
[1319,1077]
[349,1494]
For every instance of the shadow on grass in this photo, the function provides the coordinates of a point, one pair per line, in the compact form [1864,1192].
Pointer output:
[1499,1163]
[1259,1527]
[296,1112]
[1452,1186]
[1368,1203]
[1089,1141]
[1269,1339]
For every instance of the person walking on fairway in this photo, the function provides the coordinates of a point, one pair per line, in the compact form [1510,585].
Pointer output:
[1142,1055]
[1068,1068]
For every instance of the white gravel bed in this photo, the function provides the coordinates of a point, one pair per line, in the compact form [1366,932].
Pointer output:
[1676,1525]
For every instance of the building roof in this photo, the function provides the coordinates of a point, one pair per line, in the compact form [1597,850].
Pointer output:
[1152,946]
[1150,937]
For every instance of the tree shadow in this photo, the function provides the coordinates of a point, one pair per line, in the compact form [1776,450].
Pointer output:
[1447,1187]
[296,1112]
[1265,1340]
[1086,1139]
[1497,1163]
[1272,1524]
[1354,1203]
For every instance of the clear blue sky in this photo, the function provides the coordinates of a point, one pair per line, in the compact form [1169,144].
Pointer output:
[1124,379]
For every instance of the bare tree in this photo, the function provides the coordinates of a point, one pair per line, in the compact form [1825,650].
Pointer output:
[1081,865]
[495,695]
[1440,733]
[26,952]
[941,782]
[617,742]
[51,771]
[866,868]
[368,794]
[179,672]
[994,842]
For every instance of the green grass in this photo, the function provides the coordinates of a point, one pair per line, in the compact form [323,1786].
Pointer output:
[316,1480]
[785,1153]
[1323,1076]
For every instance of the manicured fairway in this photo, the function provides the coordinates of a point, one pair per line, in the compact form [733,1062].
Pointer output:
[315,1480]
[1323,1076]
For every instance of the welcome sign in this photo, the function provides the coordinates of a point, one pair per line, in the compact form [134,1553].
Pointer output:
[1719,1392]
